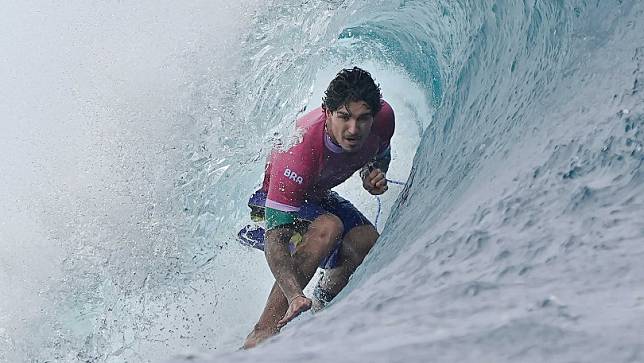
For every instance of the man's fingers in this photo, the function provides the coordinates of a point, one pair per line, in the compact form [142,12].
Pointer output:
[285,319]
[378,181]
[281,323]
[381,183]
[294,309]
[374,173]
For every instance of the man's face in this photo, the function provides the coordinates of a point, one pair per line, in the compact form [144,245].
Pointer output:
[350,125]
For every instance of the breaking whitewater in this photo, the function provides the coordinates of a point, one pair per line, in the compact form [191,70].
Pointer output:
[518,237]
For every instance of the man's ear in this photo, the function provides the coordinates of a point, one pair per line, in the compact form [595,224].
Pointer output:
[327,113]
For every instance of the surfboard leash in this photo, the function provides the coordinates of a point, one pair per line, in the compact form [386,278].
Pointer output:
[396,182]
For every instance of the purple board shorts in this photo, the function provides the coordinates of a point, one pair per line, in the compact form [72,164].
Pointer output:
[330,203]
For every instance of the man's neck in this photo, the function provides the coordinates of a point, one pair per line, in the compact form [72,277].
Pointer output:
[329,140]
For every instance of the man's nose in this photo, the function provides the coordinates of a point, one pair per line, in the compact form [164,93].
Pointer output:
[352,127]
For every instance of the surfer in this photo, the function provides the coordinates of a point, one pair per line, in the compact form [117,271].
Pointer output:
[307,224]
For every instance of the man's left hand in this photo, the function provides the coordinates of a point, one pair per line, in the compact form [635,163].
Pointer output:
[375,182]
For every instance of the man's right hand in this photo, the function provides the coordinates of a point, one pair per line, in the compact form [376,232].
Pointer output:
[375,182]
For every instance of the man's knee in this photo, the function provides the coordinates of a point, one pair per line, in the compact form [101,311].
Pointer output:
[322,233]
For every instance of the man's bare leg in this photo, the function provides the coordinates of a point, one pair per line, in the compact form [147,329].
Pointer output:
[316,244]
[356,244]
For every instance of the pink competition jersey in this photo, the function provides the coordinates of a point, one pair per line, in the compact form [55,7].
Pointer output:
[315,165]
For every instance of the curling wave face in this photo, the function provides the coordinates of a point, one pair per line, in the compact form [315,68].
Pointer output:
[517,235]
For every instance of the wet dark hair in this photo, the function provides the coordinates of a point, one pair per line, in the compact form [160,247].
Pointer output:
[352,85]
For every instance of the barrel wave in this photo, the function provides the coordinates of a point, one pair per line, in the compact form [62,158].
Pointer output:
[517,235]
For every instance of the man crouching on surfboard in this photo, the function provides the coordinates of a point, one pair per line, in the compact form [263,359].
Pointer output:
[350,132]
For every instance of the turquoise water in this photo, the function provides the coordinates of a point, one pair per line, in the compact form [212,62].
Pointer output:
[518,236]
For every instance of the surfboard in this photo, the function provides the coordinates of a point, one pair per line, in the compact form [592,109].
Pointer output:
[252,236]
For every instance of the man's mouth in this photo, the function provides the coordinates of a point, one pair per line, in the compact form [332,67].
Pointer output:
[352,140]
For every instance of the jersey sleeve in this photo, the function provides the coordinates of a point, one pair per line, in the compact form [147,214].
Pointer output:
[292,173]
[385,123]
[382,160]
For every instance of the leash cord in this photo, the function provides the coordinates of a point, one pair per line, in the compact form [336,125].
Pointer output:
[396,182]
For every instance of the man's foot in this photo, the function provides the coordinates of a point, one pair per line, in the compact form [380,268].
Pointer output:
[298,305]
[257,336]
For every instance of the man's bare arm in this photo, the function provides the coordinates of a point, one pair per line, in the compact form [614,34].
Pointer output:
[280,261]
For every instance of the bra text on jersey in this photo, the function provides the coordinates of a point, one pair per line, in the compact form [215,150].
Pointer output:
[293,176]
